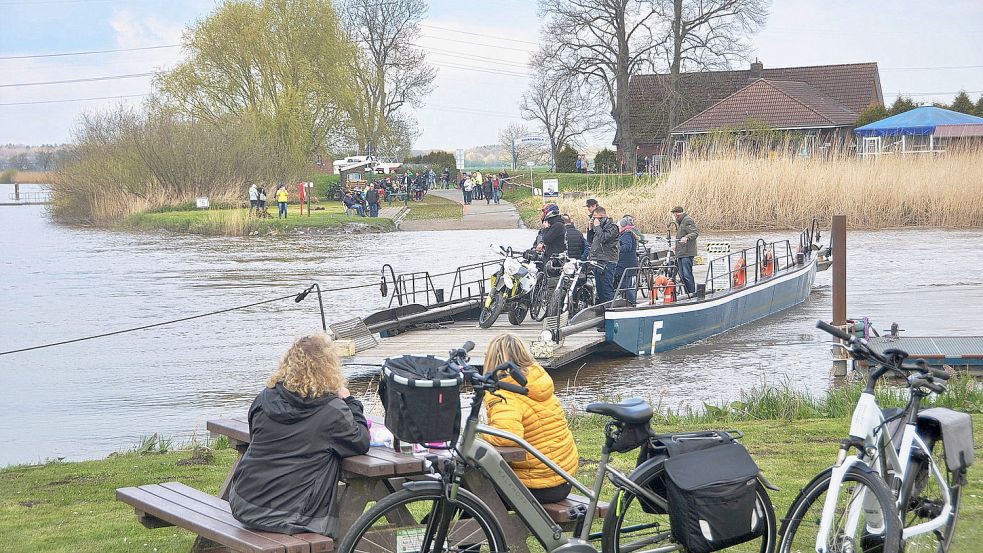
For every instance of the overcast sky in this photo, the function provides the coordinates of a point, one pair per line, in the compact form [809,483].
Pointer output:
[928,50]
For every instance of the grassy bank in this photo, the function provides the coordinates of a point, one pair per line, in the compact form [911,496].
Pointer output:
[434,207]
[741,192]
[71,507]
[238,222]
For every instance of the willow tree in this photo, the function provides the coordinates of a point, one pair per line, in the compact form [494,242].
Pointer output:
[280,63]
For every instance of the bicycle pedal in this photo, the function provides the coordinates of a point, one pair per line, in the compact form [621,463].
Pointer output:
[577,514]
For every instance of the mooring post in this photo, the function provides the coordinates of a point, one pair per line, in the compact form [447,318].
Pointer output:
[16,192]
[838,238]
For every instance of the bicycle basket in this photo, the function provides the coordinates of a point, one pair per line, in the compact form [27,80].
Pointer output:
[713,498]
[422,399]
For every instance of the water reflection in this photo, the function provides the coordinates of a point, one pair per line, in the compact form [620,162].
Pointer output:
[87,399]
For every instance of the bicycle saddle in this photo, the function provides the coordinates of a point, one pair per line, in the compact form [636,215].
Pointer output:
[633,410]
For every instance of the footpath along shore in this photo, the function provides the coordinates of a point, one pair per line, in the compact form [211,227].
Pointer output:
[477,216]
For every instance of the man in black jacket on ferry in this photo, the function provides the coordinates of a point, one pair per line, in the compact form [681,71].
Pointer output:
[553,234]
[576,244]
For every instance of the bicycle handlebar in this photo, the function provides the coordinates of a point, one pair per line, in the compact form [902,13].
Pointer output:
[836,332]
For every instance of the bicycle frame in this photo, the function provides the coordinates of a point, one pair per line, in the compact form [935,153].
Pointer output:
[868,425]
[481,454]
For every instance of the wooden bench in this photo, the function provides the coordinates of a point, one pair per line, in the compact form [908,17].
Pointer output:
[365,478]
[174,504]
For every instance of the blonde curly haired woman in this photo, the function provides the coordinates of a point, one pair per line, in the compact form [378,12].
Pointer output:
[300,426]
[537,418]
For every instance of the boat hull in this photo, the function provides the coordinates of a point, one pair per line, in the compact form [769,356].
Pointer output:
[648,329]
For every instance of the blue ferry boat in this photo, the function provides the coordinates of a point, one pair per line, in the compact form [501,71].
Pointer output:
[741,287]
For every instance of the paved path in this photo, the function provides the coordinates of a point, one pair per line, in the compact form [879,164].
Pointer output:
[477,216]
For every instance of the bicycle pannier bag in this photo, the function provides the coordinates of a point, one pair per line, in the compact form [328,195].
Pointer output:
[663,446]
[712,496]
[422,399]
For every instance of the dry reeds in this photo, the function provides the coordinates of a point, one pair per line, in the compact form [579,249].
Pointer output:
[745,192]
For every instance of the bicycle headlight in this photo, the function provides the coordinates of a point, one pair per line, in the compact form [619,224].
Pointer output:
[569,268]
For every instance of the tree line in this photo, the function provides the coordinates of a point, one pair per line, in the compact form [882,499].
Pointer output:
[961,103]
[266,85]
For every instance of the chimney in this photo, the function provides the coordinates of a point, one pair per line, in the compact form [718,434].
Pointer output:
[756,68]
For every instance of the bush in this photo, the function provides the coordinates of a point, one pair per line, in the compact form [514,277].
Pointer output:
[437,160]
[566,160]
[7,177]
[606,161]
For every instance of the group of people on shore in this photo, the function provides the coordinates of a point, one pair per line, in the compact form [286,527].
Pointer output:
[305,421]
[612,247]
[476,186]
[257,200]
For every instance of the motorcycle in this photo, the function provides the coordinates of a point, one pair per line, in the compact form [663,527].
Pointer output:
[510,287]
[574,291]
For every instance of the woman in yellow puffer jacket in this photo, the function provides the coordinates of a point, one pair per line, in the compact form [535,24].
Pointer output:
[536,418]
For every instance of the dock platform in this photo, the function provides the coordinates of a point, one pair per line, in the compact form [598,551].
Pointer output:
[438,338]
[955,351]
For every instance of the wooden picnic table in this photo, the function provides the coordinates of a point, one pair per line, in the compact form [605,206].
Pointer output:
[381,471]
[364,479]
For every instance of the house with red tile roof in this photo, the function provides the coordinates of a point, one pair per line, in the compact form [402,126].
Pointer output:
[822,101]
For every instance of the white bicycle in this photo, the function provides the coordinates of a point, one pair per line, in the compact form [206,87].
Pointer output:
[893,493]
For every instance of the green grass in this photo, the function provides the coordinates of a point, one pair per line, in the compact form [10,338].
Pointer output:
[71,507]
[238,222]
[434,207]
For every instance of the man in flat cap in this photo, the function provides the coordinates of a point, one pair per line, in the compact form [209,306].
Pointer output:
[685,247]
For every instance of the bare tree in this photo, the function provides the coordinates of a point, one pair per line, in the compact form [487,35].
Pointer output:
[705,34]
[604,42]
[389,72]
[561,108]
[511,136]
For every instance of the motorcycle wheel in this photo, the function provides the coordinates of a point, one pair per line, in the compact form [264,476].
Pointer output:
[517,312]
[490,314]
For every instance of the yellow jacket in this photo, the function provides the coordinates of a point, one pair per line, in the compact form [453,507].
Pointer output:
[538,419]
[281,195]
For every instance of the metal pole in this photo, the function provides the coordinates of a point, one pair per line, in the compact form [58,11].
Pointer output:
[17,192]
[324,325]
[839,269]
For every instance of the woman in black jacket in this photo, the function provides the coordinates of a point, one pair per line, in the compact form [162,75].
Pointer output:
[300,428]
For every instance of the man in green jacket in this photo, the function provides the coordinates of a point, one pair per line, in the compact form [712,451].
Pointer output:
[685,247]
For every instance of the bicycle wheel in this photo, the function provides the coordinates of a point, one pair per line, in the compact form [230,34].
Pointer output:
[540,298]
[633,524]
[557,303]
[878,528]
[400,521]
[925,501]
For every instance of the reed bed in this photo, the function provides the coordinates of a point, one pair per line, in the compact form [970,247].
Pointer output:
[747,192]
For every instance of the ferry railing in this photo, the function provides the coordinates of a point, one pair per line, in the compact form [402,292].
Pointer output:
[725,268]
[475,274]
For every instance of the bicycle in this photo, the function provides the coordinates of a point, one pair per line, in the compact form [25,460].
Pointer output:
[890,495]
[438,514]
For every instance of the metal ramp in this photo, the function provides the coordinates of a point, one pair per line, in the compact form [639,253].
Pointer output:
[356,331]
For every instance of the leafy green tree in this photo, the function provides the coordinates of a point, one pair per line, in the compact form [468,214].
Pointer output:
[279,63]
[901,104]
[606,161]
[963,104]
[437,160]
[979,107]
[875,112]
[566,159]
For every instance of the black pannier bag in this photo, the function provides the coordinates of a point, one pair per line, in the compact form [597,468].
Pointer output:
[422,399]
[663,446]
[712,496]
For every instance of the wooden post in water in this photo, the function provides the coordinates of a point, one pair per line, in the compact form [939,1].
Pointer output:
[16,192]
[838,239]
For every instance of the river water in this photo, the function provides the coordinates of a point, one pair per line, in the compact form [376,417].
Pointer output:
[87,399]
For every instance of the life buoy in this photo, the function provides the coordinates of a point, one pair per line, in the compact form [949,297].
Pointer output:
[740,273]
[658,288]
[768,264]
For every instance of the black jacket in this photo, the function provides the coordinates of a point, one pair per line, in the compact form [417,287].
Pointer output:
[575,242]
[372,196]
[287,479]
[604,245]
[554,237]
